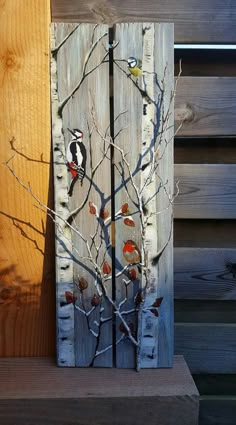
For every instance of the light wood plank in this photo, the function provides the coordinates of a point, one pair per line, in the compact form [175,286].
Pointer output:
[206,106]
[206,191]
[27,276]
[84,329]
[154,239]
[191,17]
[205,274]
[207,348]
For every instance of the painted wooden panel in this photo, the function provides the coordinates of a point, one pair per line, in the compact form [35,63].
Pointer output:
[208,347]
[191,18]
[143,110]
[205,274]
[206,191]
[206,106]
[103,220]
[80,112]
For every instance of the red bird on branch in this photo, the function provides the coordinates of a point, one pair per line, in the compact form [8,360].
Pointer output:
[131,252]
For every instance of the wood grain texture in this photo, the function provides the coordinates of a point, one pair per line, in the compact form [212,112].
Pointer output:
[191,18]
[205,274]
[81,50]
[39,378]
[207,348]
[27,305]
[197,105]
[36,391]
[141,125]
[206,191]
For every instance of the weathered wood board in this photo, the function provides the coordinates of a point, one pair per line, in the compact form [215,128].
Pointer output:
[192,19]
[43,395]
[207,347]
[206,191]
[197,104]
[205,311]
[205,274]
[84,316]
[143,111]
[127,311]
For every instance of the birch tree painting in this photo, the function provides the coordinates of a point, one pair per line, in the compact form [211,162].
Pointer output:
[112,117]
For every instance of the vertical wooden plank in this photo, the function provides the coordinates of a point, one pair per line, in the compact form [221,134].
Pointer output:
[83,295]
[127,127]
[145,134]
[64,263]
[164,66]
[27,280]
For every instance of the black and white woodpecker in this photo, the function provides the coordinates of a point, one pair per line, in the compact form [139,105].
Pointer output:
[76,156]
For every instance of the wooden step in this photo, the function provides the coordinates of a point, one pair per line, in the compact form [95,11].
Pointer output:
[35,391]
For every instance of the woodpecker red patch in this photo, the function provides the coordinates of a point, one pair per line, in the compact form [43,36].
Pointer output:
[72,169]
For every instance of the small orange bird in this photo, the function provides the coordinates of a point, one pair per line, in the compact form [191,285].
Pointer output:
[131,252]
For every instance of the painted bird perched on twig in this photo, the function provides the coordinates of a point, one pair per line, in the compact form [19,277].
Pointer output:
[76,156]
[134,66]
[131,252]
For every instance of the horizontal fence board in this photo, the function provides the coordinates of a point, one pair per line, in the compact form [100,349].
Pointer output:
[205,311]
[191,17]
[215,384]
[207,348]
[206,106]
[217,410]
[205,233]
[205,274]
[205,62]
[205,150]
[206,191]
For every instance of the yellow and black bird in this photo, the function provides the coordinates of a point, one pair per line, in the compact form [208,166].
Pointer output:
[134,66]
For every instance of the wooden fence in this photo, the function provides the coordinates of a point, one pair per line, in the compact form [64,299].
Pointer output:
[205,251]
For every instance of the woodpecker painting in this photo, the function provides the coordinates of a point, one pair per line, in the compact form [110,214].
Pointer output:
[134,66]
[76,156]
